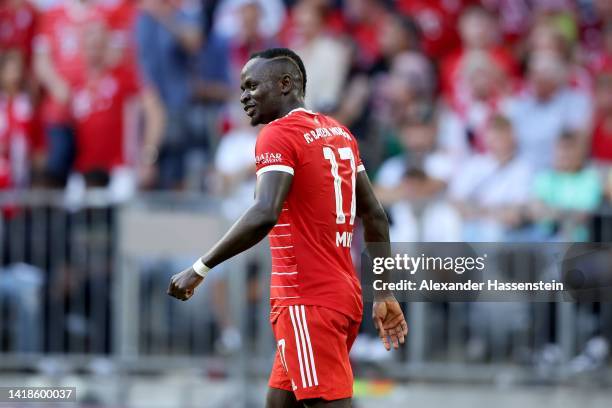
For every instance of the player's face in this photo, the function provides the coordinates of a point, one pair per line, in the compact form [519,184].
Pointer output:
[261,96]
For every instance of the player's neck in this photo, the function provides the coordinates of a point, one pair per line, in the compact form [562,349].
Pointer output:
[289,107]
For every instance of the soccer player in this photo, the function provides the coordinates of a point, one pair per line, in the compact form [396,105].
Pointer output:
[310,188]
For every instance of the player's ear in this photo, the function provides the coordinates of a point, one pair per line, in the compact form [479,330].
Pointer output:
[286,84]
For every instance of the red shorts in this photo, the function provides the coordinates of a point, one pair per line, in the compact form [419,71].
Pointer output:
[312,356]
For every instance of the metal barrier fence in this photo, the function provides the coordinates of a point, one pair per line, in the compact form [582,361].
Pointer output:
[83,281]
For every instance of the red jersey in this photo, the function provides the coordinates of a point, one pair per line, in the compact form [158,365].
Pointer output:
[437,20]
[16,124]
[17,24]
[59,34]
[98,110]
[601,143]
[452,79]
[120,16]
[310,244]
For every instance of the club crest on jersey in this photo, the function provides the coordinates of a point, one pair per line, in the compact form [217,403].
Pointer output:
[268,158]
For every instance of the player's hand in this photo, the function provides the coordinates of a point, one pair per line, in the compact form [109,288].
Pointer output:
[183,284]
[390,323]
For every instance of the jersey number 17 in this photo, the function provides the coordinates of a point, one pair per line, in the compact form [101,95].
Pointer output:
[345,154]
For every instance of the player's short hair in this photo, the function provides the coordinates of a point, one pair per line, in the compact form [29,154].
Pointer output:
[284,54]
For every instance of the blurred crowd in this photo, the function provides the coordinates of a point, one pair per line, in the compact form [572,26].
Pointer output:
[477,120]
[484,120]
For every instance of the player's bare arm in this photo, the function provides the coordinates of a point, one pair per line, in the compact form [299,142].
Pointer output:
[270,193]
[386,312]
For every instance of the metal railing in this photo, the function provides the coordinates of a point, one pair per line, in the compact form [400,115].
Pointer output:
[79,282]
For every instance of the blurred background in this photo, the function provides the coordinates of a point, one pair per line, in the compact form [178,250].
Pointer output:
[124,154]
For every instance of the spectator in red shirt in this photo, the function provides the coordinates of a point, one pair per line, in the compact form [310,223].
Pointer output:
[17,25]
[483,93]
[333,23]
[602,133]
[595,26]
[438,21]
[98,104]
[479,31]
[120,16]
[363,19]
[58,63]
[16,122]
[601,58]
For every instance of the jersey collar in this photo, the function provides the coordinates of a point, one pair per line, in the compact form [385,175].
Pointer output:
[293,111]
[299,110]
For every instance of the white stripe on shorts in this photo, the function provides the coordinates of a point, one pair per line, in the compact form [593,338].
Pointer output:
[303,341]
[312,363]
[297,342]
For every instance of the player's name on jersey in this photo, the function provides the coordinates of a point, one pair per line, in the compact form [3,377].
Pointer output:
[322,132]
[469,285]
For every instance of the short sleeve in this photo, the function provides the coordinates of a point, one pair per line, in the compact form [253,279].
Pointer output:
[358,162]
[274,151]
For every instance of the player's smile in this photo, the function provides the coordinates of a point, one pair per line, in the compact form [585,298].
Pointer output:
[259,94]
[249,105]
[250,110]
